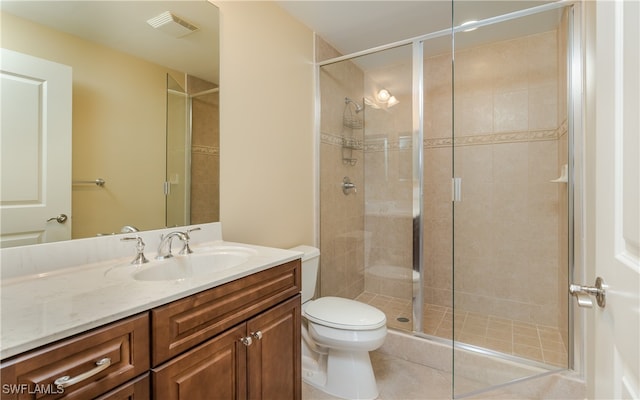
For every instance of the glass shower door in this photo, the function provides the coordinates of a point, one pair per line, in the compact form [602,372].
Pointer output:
[178,155]
[367,141]
[510,228]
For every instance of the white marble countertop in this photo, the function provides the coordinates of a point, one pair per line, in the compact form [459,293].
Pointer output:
[38,309]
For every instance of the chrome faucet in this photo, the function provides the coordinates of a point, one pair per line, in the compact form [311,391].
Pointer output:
[164,249]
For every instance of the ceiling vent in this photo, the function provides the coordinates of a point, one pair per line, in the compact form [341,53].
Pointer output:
[171,24]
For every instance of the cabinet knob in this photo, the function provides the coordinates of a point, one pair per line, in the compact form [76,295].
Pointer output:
[246,341]
[257,335]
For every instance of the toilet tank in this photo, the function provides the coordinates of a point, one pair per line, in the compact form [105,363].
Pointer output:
[310,264]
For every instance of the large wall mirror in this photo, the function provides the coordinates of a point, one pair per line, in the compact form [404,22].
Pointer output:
[144,147]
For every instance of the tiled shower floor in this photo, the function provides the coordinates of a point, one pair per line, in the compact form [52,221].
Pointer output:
[535,342]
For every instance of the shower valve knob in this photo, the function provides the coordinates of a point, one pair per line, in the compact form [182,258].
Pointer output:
[347,186]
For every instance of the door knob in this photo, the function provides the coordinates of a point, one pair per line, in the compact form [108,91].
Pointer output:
[582,293]
[61,219]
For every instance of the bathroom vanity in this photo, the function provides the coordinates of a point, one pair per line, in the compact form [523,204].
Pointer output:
[230,334]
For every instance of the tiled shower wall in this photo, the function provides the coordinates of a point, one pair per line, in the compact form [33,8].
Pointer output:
[389,197]
[342,216]
[510,228]
[507,127]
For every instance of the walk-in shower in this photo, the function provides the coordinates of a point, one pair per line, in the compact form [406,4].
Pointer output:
[460,230]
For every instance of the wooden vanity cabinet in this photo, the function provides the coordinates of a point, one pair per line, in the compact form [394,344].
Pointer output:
[243,339]
[239,340]
[259,359]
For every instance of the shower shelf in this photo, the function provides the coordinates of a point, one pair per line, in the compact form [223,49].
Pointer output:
[351,122]
[348,145]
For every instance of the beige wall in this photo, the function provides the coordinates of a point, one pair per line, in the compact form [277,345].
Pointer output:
[266,116]
[127,151]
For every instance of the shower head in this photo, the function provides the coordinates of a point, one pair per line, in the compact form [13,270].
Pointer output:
[356,105]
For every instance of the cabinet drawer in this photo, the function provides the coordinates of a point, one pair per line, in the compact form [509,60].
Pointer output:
[185,323]
[124,343]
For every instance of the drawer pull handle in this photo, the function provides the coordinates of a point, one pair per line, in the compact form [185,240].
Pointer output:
[246,341]
[66,381]
[257,335]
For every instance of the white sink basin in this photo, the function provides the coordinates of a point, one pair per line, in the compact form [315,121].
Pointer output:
[203,262]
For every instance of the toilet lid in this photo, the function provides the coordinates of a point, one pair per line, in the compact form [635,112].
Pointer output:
[340,313]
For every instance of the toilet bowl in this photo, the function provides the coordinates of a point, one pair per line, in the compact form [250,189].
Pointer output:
[337,336]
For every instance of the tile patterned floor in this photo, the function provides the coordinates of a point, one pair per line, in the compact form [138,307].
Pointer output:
[400,379]
[534,342]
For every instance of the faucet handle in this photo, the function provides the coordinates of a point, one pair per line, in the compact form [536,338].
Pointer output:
[140,258]
[186,249]
[197,228]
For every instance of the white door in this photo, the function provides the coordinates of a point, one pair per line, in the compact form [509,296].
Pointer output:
[35,146]
[613,332]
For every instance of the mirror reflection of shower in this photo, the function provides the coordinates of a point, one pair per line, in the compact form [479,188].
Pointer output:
[193,151]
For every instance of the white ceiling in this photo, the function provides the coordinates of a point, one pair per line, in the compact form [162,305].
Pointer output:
[349,26]
[122,25]
[352,26]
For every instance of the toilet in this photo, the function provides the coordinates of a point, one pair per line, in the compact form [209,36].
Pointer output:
[337,336]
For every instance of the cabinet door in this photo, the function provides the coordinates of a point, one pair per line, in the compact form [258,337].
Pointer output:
[214,370]
[274,359]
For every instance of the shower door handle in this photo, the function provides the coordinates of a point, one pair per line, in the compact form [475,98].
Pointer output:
[582,293]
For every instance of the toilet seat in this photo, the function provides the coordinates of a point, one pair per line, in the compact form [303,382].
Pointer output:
[340,313]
